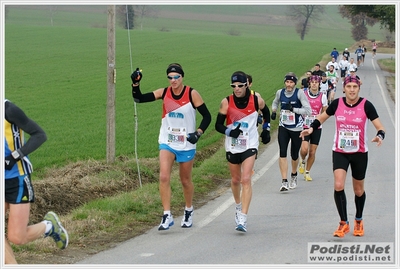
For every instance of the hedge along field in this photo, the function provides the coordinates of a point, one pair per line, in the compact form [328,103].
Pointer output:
[58,75]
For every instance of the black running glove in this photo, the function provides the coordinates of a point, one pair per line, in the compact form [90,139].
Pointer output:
[136,76]
[236,132]
[193,137]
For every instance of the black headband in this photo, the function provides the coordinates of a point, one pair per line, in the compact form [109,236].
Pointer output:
[176,69]
[292,78]
[239,78]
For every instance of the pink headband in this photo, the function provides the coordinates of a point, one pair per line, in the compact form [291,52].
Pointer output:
[349,79]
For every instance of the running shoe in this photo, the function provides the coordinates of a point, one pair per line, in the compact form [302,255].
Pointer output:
[285,186]
[166,222]
[307,177]
[293,182]
[343,229]
[238,211]
[358,228]
[302,165]
[187,219]
[241,227]
[57,231]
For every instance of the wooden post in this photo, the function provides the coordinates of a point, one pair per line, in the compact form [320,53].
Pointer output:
[111,79]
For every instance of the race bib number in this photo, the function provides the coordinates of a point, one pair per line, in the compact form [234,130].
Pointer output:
[349,141]
[308,120]
[241,143]
[287,117]
[177,137]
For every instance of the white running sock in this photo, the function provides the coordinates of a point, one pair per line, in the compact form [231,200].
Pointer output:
[48,225]
[239,206]
[167,212]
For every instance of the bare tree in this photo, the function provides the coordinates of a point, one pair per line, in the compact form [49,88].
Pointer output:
[302,15]
[359,22]
[145,11]
[125,16]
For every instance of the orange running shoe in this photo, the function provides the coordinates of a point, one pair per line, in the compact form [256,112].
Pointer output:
[343,229]
[358,228]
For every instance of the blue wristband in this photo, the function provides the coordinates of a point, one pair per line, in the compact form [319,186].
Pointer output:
[266,125]
[228,131]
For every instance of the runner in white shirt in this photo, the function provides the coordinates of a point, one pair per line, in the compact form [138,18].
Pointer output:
[334,63]
[344,66]
[352,65]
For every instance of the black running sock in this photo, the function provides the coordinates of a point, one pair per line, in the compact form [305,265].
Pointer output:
[360,202]
[341,204]
[293,175]
[284,180]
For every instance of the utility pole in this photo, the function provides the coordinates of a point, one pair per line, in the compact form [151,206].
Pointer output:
[111,80]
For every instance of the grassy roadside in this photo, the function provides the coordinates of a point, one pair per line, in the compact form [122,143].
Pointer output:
[389,65]
[104,222]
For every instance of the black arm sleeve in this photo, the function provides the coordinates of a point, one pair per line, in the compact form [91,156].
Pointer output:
[370,111]
[142,98]
[13,114]
[266,114]
[219,123]
[332,107]
[205,122]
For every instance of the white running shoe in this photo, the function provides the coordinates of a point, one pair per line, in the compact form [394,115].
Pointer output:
[242,225]
[284,186]
[238,211]
[166,222]
[293,182]
[187,219]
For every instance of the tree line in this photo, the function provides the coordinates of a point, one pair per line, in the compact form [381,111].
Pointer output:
[358,15]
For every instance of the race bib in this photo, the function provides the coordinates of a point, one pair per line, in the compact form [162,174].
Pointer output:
[308,120]
[287,117]
[177,137]
[241,143]
[349,141]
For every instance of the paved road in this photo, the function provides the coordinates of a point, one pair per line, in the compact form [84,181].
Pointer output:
[280,225]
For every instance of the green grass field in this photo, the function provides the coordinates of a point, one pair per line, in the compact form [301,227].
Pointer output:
[57,74]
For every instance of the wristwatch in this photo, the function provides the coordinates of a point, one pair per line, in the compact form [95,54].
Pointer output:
[15,154]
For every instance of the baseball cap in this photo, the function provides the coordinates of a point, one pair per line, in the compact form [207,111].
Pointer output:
[323,74]
[345,49]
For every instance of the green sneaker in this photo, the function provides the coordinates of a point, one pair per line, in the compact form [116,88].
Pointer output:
[57,231]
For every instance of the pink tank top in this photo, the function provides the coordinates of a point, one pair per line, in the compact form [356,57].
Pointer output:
[350,128]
